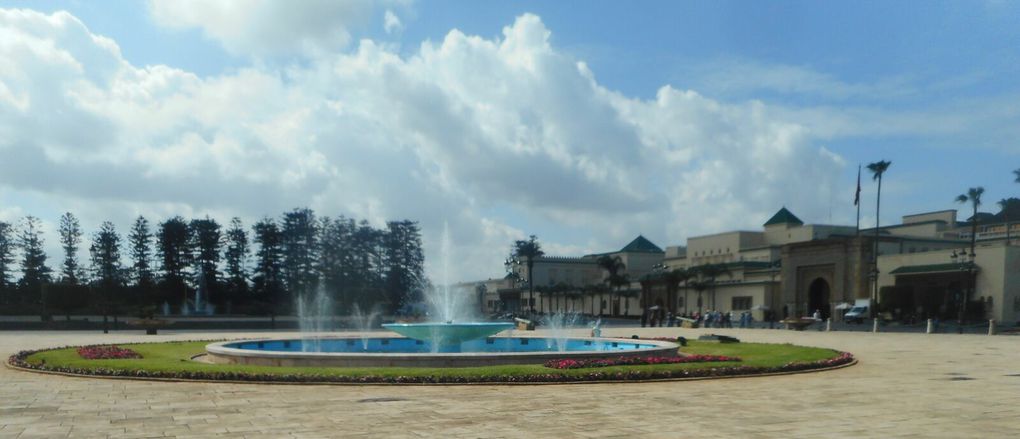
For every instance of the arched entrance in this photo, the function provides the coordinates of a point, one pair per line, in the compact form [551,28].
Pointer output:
[818,297]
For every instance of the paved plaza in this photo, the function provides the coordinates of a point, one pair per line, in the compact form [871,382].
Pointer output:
[906,385]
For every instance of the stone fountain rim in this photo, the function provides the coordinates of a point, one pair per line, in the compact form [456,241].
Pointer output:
[220,349]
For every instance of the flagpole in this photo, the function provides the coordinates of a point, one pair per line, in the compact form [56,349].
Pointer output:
[857,200]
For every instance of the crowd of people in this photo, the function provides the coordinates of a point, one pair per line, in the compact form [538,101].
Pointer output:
[708,319]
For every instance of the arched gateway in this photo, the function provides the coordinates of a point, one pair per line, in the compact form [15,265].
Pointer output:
[818,297]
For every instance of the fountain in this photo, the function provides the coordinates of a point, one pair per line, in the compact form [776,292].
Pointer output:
[364,322]
[315,316]
[449,339]
[559,324]
[449,307]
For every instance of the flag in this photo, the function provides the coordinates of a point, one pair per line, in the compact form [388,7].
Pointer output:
[857,195]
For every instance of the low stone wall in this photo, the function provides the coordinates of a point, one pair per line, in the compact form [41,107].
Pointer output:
[220,354]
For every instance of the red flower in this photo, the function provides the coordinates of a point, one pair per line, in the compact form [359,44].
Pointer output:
[106,353]
[631,361]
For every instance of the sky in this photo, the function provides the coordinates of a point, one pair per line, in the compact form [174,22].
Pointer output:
[584,123]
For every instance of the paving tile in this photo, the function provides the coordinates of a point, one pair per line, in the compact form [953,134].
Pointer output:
[901,388]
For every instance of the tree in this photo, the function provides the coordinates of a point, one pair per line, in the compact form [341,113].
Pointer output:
[105,256]
[173,241]
[299,251]
[140,242]
[70,239]
[877,171]
[367,271]
[34,272]
[673,279]
[336,258]
[613,265]
[1010,208]
[205,242]
[7,246]
[973,196]
[712,272]
[1017,173]
[529,250]
[268,273]
[236,256]
[404,259]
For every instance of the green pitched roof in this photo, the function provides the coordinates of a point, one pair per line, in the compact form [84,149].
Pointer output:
[932,268]
[783,217]
[641,245]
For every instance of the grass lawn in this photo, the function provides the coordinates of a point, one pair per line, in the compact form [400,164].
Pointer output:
[175,357]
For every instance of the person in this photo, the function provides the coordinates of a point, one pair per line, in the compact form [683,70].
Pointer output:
[644,318]
[817,315]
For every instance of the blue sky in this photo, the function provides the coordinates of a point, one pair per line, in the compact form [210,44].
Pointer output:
[627,118]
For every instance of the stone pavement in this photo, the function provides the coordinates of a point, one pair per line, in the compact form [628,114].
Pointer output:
[906,385]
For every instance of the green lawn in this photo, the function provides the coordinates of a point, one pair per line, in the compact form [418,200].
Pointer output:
[175,357]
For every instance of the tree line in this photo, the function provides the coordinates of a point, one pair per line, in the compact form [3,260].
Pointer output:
[260,270]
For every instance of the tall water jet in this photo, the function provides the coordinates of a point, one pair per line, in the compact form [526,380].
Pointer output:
[449,312]
[315,314]
[445,303]
[559,324]
[364,322]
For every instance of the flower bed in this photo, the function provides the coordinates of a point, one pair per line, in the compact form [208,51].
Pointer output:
[20,360]
[106,353]
[632,361]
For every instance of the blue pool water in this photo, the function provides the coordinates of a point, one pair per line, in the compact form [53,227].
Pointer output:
[396,345]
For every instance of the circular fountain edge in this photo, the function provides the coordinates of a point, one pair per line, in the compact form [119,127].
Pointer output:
[220,353]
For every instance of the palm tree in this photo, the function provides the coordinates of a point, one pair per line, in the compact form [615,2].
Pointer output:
[712,272]
[1006,204]
[973,196]
[877,170]
[700,287]
[529,250]
[673,279]
[613,265]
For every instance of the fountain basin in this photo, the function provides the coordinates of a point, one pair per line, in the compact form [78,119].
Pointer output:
[407,352]
[446,334]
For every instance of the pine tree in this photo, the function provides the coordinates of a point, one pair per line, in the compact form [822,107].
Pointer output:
[405,261]
[106,269]
[70,239]
[205,241]
[299,251]
[236,256]
[7,246]
[173,242]
[34,272]
[105,257]
[140,241]
[268,273]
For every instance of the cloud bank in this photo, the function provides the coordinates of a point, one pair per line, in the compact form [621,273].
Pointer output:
[498,137]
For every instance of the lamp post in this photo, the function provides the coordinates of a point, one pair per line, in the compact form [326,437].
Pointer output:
[511,265]
[873,277]
[967,269]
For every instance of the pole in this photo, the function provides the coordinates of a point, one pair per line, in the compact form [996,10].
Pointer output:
[857,200]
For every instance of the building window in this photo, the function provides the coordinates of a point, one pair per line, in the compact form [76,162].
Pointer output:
[742,302]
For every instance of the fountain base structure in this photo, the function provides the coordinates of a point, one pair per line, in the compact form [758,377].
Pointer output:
[408,352]
[448,334]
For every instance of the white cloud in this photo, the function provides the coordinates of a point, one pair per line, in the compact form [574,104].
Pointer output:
[392,23]
[460,131]
[267,27]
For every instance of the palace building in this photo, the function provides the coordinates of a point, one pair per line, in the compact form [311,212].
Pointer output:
[923,268]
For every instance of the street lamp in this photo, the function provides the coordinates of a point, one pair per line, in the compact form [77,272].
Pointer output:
[511,265]
[967,271]
[873,277]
